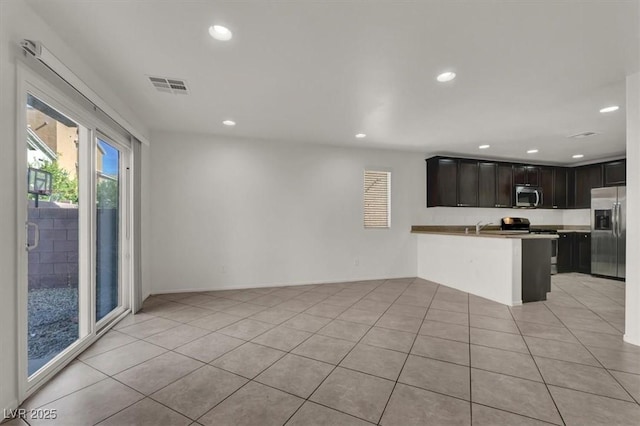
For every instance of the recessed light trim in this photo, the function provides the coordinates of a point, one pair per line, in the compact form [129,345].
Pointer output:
[577,156]
[220,33]
[609,109]
[229,123]
[484,146]
[532,151]
[446,76]
[361,135]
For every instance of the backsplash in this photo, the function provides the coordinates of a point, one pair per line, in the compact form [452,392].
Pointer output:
[472,215]
[576,217]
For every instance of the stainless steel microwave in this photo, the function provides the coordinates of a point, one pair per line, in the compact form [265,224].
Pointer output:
[527,196]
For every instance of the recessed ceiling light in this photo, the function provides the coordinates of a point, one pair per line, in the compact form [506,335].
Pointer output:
[610,109]
[532,151]
[446,76]
[361,135]
[220,33]
[484,146]
[578,156]
[229,123]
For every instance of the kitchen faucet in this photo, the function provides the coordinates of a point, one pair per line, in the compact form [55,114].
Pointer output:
[479,226]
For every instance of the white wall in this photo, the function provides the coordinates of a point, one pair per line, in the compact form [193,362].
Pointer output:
[18,21]
[146,221]
[230,213]
[632,315]
[236,213]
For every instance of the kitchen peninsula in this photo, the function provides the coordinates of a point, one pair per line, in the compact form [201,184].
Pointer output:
[506,267]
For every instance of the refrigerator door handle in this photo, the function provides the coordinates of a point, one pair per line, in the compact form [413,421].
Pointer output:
[619,219]
[614,220]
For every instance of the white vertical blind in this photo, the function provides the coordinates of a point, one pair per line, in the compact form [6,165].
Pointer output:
[377,197]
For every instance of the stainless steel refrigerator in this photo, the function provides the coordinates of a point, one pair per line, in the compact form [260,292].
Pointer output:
[608,231]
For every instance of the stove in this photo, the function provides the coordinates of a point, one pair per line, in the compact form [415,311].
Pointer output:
[521,224]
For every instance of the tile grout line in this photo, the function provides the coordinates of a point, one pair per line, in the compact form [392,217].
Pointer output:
[408,353]
[585,306]
[596,358]
[144,396]
[594,290]
[202,366]
[166,351]
[343,358]
[312,334]
[538,369]
[216,358]
[296,313]
[517,414]
[352,348]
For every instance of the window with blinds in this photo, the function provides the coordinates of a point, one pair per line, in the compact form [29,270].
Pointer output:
[377,199]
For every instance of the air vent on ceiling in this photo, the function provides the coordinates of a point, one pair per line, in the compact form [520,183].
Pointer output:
[582,135]
[169,85]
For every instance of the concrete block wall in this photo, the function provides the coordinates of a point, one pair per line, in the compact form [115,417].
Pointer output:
[54,263]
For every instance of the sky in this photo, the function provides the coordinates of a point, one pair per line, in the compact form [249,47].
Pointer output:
[110,159]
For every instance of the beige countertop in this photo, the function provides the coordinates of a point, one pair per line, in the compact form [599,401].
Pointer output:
[489,232]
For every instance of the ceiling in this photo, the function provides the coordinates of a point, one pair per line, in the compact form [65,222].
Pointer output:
[529,73]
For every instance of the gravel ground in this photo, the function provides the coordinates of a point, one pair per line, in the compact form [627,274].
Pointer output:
[53,320]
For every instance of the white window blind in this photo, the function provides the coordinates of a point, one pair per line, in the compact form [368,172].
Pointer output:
[377,199]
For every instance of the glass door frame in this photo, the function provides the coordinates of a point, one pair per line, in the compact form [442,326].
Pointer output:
[124,228]
[30,82]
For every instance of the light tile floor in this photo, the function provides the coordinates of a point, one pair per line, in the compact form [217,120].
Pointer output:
[389,352]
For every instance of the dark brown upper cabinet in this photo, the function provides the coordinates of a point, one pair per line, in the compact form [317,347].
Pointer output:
[546,183]
[526,175]
[615,173]
[560,188]
[487,185]
[587,177]
[504,186]
[467,183]
[442,182]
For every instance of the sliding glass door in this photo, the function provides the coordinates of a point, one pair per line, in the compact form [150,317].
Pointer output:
[109,226]
[75,270]
[53,230]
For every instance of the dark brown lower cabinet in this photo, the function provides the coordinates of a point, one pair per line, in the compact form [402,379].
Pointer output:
[536,269]
[574,252]
[583,252]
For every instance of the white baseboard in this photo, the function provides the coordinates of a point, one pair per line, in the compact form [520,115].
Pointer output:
[250,286]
